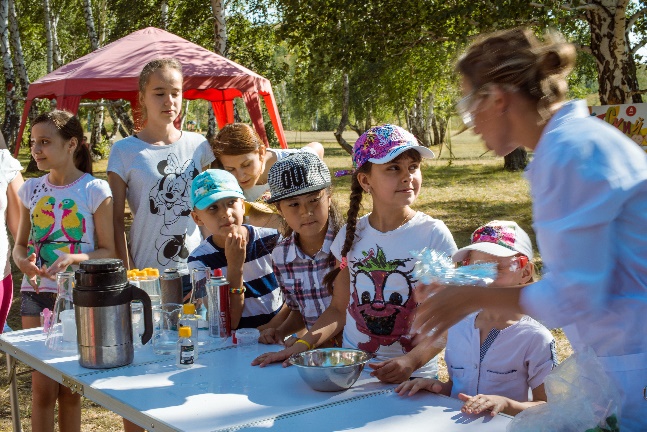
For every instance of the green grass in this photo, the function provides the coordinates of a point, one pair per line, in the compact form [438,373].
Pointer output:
[464,192]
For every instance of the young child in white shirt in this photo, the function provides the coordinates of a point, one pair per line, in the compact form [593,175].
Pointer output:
[494,358]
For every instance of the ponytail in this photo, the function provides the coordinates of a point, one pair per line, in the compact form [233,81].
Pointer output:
[356,193]
[83,158]
[69,126]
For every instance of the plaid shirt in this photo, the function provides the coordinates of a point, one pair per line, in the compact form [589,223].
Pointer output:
[300,276]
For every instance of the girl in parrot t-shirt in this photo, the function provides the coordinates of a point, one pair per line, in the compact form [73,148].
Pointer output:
[58,217]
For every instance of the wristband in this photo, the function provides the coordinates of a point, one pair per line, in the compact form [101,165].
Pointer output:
[240,290]
[305,343]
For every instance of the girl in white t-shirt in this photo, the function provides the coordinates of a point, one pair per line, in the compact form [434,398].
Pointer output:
[495,358]
[58,217]
[372,285]
[153,170]
[239,150]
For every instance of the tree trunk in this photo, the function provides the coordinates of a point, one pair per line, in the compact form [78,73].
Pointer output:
[211,123]
[48,36]
[89,24]
[16,48]
[126,121]
[11,117]
[343,121]
[609,47]
[418,121]
[97,123]
[164,14]
[219,27]
[516,161]
[56,48]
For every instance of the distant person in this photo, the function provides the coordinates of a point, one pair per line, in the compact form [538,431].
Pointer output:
[494,358]
[372,285]
[243,252]
[589,186]
[153,170]
[10,182]
[303,258]
[240,151]
[65,218]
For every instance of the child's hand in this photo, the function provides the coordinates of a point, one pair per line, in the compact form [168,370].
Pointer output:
[279,356]
[269,336]
[29,268]
[394,371]
[61,264]
[479,403]
[235,250]
[409,388]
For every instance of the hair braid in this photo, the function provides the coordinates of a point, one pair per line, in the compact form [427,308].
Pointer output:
[356,194]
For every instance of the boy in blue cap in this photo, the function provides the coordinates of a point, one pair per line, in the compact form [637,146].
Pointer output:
[242,252]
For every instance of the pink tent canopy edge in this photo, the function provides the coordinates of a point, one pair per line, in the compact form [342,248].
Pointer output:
[112,72]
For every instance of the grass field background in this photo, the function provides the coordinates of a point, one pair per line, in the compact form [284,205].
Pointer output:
[465,187]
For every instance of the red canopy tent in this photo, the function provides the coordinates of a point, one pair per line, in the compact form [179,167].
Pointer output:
[112,72]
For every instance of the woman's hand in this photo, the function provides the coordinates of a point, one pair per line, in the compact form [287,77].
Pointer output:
[442,306]
[411,387]
[479,403]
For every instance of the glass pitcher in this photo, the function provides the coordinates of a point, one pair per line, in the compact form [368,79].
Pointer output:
[61,335]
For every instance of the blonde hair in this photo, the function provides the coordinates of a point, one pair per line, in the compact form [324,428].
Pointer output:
[517,58]
[144,77]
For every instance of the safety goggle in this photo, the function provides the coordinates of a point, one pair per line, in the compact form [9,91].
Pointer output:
[514,264]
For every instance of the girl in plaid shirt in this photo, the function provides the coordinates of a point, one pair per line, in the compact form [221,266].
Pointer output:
[300,189]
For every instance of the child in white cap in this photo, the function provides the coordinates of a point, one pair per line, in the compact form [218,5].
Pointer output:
[494,358]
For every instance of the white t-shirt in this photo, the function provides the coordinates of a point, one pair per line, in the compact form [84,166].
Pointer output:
[159,195]
[9,169]
[516,360]
[258,190]
[379,315]
[62,219]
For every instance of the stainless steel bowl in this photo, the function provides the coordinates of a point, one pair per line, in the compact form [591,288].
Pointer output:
[331,369]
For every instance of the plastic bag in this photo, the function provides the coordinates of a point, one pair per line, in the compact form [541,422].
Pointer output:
[580,398]
[433,266]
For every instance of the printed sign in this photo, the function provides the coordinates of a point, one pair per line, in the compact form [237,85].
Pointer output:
[629,119]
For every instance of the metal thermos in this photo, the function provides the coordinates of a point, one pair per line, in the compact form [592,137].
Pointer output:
[102,297]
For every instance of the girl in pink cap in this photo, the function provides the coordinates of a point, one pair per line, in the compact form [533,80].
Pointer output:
[495,358]
[372,284]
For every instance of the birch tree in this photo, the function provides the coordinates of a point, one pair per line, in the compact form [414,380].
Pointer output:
[11,117]
[97,122]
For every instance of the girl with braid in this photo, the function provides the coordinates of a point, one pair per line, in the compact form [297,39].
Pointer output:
[372,284]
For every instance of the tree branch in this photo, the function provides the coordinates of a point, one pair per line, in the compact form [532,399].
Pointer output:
[632,20]
[583,48]
[639,45]
[638,92]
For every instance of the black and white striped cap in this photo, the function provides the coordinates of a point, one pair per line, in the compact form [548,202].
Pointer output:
[300,173]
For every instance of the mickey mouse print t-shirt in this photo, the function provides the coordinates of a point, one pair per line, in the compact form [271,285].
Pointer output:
[381,304]
[159,196]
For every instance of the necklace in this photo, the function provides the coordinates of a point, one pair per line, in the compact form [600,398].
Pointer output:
[406,219]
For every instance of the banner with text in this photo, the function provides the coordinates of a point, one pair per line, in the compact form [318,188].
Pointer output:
[627,118]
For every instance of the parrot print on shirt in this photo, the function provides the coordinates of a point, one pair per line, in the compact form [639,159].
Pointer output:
[72,225]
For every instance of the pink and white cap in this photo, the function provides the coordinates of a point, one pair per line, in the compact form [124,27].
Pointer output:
[498,238]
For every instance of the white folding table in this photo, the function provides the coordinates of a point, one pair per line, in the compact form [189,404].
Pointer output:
[223,392]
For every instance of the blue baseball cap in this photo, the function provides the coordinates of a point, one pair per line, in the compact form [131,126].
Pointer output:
[213,185]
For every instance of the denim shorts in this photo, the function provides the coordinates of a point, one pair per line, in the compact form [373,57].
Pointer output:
[32,304]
